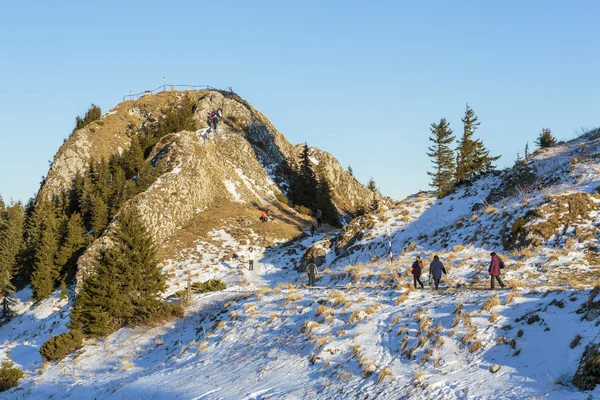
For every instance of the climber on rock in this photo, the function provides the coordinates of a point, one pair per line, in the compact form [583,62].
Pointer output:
[214,117]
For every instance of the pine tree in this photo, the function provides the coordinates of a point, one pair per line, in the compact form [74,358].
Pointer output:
[472,158]
[442,158]
[46,271]
[126,283]
[76,194]
[545,139]
[31,238]
[526,151]
[12,221]
[98,214]
[325,202]
[304,184]
[350,171]
[93,114]
[8,302]
[372,186]
[374,204]
[73,244]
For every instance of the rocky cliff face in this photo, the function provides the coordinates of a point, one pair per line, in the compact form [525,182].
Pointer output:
[243,162]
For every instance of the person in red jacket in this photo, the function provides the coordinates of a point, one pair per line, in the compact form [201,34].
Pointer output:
[495,265]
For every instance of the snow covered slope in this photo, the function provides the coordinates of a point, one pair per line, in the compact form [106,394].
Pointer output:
[364,332]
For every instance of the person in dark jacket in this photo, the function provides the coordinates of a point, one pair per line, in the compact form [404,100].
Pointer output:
[417,269]
[319,216]
[436,268]
[495,265]
[313,228]
[312,272]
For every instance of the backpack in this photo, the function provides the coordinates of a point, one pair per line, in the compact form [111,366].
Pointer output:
[502,266]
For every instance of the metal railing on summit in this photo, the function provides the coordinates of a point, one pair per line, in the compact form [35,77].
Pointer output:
[167,88]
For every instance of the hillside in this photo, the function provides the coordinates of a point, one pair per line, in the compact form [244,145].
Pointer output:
[363,332]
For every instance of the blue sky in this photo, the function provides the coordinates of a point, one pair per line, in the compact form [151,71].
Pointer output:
[362,80]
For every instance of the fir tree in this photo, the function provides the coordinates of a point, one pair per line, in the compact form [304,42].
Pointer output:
[350,171]
[72,246]
[46,271]
[374,204]
[372,186]
[472,158]
[93,114]
[304,183]
[442,157]
[325,202]
[31,238]
[545,139]
[11,240]
[98,214]
[126,283]
[8,302]
[526,151]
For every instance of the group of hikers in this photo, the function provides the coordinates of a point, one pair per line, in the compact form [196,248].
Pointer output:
[436,269]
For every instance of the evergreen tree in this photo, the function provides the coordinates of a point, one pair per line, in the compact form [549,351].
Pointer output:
[304,184]
[374,204]
[93,114]
[11,240]
[472,158]
[119,190]
[98,214]
[31,238]
[372,186]
[350,171]
[46,272]
[76,194]
[545,139]
[126,283]
[325,202]
[442,157]
[526,151]
[72,246]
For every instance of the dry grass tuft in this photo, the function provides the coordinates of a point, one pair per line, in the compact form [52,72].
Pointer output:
[384,374]
[475,347]
[426,356]
[325,312]
[494,317]
[422,341]
[491,302]
[511,295]
[458,308]
[401,299]
[309,326]
[337,298]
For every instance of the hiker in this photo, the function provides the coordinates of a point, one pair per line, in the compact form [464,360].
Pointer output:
[313,228]
[319,215]
[263,217]
[417,268]
[436,268]
[312,272]
[496,264]
[214,117]
[250,259]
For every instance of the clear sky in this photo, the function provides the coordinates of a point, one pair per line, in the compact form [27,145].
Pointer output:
[362,80]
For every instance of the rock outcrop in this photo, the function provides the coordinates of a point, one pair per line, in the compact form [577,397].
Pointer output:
[246,161]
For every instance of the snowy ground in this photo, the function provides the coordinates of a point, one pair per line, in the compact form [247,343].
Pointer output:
[363,332]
